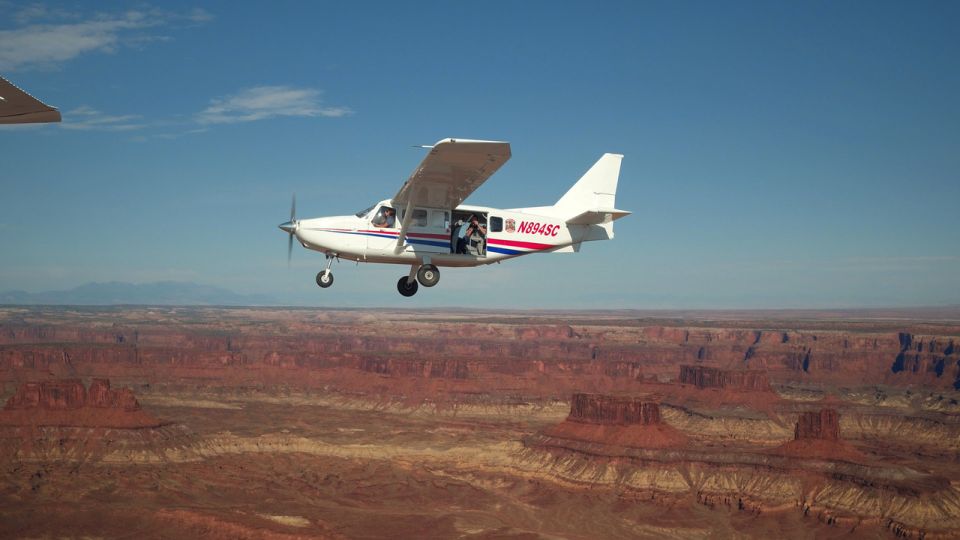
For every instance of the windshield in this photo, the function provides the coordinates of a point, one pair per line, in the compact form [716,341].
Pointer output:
[364,212]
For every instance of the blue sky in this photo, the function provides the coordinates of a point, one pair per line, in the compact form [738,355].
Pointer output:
[776,154]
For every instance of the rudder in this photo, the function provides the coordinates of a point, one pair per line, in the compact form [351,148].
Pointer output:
[597,188]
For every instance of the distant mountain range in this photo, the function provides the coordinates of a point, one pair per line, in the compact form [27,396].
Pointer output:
[157,293]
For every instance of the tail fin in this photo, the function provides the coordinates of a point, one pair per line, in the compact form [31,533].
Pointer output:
[596,190]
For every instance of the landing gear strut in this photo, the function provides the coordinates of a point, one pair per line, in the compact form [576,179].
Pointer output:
[325,277]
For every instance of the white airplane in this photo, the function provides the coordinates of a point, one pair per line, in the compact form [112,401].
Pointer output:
[425,225]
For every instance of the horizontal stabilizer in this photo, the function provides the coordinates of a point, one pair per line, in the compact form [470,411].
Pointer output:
[597,216]
[572,248]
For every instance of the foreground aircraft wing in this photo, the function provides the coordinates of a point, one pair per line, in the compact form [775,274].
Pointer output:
[19,107]
[452,170]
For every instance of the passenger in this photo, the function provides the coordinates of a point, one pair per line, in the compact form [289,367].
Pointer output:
[455,236]
[476,237]
[462,236]
[478,228]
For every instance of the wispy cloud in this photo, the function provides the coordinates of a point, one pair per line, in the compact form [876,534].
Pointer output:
[262,102]
[85,118]
[38,11]
[48,43]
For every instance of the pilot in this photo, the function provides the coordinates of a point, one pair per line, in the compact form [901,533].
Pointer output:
[386,218]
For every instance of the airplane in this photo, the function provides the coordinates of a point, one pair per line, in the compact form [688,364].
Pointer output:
[425,225]
[19,107]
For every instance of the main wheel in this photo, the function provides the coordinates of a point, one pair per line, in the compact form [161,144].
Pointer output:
[325,279]
[428,275]
[407,289]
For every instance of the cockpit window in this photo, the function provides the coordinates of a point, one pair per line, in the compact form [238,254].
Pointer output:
[386,217]
[363,213]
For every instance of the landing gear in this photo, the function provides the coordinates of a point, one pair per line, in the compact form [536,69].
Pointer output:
[325,277]
[428,275]
[407,287]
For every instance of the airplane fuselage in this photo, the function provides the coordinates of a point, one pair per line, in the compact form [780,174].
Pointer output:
[432,234]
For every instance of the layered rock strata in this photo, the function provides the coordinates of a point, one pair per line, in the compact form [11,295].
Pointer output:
[291,351]
[68,403]
[616,421]
[816,435]
[824,425]
[707,377]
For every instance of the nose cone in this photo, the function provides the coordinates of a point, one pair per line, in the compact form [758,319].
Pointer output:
[289,226]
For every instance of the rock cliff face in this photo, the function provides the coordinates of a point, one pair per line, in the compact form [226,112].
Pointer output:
[69,403]
[616,421]
[707,377]
[64,395]
[446,369]
[732,358]
[816,435]
[599,409]
[824,425]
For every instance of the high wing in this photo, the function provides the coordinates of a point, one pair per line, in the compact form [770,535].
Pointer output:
[19,107]
[452,170]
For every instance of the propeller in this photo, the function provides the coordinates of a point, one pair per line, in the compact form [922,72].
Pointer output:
[291,227]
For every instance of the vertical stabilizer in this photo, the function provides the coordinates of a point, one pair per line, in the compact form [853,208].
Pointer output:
[595,189]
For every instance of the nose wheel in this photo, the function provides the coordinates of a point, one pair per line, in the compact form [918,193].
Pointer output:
[325,277]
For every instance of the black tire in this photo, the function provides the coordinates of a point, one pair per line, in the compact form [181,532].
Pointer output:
[325,279]
[407,289]
[428,275]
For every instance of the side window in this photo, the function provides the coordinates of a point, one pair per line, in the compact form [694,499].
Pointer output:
[496,224]
[439,219]
[419,217]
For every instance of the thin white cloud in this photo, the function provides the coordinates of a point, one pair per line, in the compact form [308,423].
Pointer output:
[39,11]
[48,44]
[85,118]
[263,102]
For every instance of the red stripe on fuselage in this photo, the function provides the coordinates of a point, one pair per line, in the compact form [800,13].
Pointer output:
[516,243]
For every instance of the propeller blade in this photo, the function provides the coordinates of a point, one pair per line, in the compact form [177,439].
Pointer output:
[291,227]
[289,248]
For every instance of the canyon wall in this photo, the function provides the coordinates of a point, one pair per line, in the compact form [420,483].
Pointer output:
[598,409]
[707,377]
[730,358]
[823,425]
[66,402]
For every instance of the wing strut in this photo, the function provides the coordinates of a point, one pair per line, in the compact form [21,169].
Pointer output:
[404,225]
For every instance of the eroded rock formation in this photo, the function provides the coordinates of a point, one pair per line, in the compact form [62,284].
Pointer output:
[707,377]
[599,409]
[68,403]
[70,394]
[616,421]
[721,357]
[816,435]
[824,425]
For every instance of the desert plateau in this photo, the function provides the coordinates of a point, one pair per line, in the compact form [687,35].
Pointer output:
[298,423]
